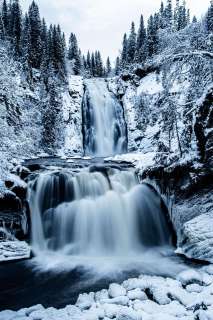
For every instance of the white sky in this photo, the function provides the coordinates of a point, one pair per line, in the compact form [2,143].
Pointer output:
[100,24]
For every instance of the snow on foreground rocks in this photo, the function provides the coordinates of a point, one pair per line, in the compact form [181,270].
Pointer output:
[14,250]
[189,297]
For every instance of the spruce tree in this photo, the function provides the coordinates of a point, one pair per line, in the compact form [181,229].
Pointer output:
[194,20]
[124,51]
[141,42]
[108,67]
[25,42]
[16,25]
[162,17]
[5,18]
[73,54]
[168,14]
[152,41]
[117,66]
[131,45]
[93,66]
[35,36]
[209,18]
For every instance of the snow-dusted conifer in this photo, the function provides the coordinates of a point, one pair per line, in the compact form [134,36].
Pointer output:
[35,36]
[131,45]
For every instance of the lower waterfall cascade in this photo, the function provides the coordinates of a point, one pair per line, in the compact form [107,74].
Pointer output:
[95,213]
[104,126]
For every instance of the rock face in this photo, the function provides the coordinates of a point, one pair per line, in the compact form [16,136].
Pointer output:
[72,117]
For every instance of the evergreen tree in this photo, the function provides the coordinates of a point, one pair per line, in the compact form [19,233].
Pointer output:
[88,61]
[108,67]
[182,16]
[209,18]
[16,25]
[117,66]
[194,20]
[58,58]
[99,65]
[141,42]
[35,36]
[5,18]
[188,19]
[168,14]
[124,51]
[176,15]
[50,116]
[93,66]
[152,42]
[162,17]
[25,42]
[131,45]
[73,54]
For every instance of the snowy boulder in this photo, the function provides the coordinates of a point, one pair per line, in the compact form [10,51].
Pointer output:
[121,300]
[7,315]
[190,277]
[100,295]
[128,314]
[136,294]
[116,290]
[85,301]
[37,307]
[198,238]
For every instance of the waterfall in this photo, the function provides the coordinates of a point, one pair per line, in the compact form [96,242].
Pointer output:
[95,213]
[104,127]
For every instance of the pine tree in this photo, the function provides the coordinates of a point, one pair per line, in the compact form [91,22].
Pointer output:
[108,67]
[188,18]
[93,66]
[73,54]
[131,45]
[88,60]
[141,42]
[168,14]
[152,42]
[5,18]
[194,20]
[176,15]
[35,36]
[117,66]
[16,25]
[99,65]
[209,18]
[162,17]
[124,51]
[58,58]
[25,42]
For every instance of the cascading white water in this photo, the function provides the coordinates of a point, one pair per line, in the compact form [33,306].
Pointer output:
[104,126]
[95,213]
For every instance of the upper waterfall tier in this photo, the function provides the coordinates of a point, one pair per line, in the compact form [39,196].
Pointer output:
[95,213]
[104,126]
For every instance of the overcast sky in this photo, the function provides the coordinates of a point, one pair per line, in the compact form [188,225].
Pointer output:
[100,24]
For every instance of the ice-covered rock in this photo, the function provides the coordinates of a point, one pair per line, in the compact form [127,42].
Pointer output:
[14,250]
[85,301]
[190,276]
[198,235]
[116,290]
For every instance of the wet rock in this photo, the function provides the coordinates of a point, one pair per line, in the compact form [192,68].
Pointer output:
[10,202]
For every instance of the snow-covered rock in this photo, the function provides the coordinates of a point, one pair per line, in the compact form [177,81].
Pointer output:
[14,250]
[116,290]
